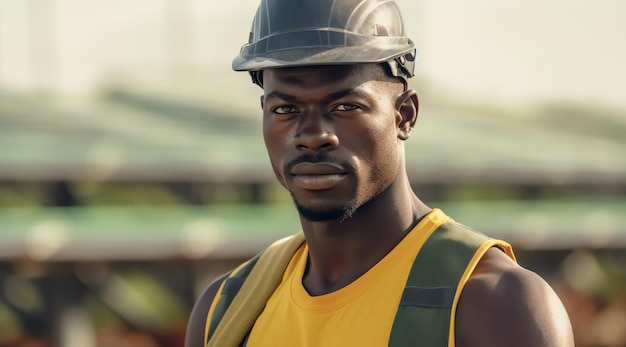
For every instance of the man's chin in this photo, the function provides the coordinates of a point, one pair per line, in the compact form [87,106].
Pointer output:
[324,215]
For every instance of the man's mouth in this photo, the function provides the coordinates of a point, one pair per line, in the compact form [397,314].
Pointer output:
[317,176]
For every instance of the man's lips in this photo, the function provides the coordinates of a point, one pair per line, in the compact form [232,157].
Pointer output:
[317,176]
[322,168]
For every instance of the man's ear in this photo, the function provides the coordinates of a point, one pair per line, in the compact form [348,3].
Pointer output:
[407,106]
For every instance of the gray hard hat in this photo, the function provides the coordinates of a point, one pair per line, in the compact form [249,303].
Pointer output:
[288,33]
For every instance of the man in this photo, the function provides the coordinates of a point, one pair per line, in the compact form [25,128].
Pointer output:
[336,113]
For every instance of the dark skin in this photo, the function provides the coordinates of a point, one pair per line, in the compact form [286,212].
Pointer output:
[345,126]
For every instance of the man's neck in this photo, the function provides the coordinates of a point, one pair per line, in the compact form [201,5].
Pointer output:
[340,252]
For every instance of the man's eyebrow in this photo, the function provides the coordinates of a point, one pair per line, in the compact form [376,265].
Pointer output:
[340,94]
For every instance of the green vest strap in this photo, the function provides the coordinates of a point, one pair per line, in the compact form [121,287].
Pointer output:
[423,318]
[232,285]
[230,288]
[427,297]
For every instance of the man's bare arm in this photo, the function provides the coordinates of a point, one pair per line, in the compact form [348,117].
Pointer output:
[504,304]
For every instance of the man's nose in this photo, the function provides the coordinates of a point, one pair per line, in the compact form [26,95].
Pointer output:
[315,133]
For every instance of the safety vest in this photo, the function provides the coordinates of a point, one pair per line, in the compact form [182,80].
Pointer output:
[424,316]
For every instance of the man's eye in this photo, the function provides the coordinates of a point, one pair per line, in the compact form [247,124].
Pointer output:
[285,109]
[345,107]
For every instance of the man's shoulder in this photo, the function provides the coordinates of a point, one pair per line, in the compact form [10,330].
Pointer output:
[504,304]
[199,313]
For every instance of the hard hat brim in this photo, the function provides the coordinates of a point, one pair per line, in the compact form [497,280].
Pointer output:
[382,50]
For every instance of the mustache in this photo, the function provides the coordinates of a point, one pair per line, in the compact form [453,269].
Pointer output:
[317,158]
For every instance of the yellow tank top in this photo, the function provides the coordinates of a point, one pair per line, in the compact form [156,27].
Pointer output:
[352,316]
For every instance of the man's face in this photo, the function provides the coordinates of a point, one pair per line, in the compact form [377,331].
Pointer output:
[332,136]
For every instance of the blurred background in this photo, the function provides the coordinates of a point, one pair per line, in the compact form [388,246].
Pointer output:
[132,168]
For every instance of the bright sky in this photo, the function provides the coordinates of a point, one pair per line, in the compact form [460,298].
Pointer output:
[514,52]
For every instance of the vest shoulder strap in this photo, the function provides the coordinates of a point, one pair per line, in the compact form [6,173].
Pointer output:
[234,315]
[425,310]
